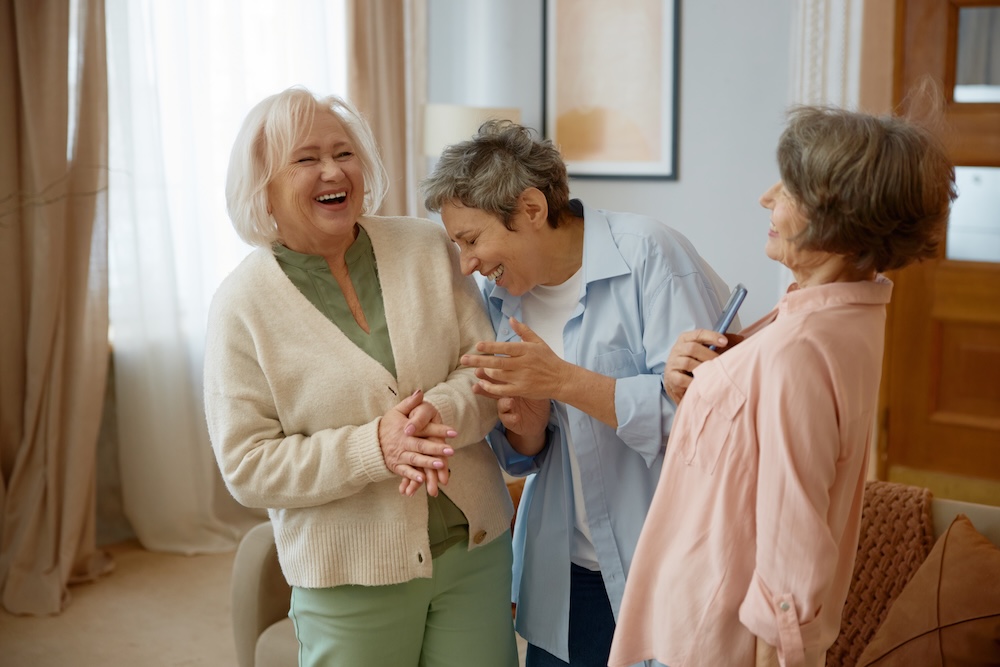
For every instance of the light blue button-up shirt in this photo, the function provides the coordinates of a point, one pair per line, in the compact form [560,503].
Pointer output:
[643,285]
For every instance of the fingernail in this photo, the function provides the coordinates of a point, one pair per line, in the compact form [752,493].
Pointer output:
[452,433]
[420,480]
[415,393]
[448,451]
[438,464]
[409,429]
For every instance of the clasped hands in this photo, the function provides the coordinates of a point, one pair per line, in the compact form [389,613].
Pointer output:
[414,446]
[520,376]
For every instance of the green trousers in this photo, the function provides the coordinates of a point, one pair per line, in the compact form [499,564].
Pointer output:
[459,617]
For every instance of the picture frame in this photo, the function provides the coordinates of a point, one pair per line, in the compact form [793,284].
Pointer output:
[610,100]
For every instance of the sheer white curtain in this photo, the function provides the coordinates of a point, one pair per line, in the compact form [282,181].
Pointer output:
[182,75]
[825,60]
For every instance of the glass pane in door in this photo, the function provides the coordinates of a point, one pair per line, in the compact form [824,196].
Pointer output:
[974,228]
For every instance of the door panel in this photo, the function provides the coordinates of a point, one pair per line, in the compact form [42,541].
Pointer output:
[942,373]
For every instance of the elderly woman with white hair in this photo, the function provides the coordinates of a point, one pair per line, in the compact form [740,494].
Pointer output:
[335,399]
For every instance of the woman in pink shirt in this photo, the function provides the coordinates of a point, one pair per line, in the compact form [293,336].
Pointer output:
[747,551]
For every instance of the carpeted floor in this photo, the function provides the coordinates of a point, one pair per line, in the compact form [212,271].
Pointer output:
[153,610]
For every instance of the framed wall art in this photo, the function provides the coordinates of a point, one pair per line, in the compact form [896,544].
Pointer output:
[611,86]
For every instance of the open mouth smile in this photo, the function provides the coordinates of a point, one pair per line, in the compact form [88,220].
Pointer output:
[495,274]
[332,198]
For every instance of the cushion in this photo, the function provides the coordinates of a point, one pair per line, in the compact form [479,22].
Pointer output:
[949,613]
[896,535]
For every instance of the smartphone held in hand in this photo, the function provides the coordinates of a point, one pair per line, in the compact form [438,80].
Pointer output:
[729,312]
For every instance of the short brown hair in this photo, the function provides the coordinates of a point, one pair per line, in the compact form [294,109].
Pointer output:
[877,189]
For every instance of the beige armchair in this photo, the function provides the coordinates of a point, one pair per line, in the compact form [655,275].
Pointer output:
[265,636]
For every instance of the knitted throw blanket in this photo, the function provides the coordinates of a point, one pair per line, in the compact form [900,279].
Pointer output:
[897,533]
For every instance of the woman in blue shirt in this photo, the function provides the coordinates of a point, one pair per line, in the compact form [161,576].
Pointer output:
[585,304]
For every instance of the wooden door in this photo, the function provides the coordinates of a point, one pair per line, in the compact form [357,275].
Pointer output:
[941,386]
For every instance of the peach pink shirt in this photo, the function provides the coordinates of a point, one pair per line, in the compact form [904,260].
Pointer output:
[754,525]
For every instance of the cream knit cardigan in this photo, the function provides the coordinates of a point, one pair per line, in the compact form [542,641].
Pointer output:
[293,409]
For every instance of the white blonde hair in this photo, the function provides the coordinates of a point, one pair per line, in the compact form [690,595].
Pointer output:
[266,139]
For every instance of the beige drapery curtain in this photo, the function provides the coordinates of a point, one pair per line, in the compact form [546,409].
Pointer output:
[53,296]
[387,81]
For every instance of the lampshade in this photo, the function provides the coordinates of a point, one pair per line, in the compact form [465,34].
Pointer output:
[446,124]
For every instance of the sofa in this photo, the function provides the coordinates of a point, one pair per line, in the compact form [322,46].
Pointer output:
[904,526]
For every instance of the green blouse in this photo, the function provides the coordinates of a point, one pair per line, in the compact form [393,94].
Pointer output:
[446,524]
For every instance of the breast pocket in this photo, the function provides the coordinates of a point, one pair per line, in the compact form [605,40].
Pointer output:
[616,364]
[707,429]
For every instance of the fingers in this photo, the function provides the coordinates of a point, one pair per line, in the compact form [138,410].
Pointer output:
[431,431]
[489,358]
[478,390]
[704,337]
[676,384]
[432,483]
[408,487]
[420,416]
[404,455]
[435,480]
[443,475]
[414,459]
[500,390]
[413,400]
[524,331]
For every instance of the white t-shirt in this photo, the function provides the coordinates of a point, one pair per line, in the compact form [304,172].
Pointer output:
[546,309]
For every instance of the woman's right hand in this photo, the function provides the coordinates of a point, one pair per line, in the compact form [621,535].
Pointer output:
[689,352]
[406,451]
[524,419]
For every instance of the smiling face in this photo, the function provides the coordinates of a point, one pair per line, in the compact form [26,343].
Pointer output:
[487,246]
[318,195]
[787,222]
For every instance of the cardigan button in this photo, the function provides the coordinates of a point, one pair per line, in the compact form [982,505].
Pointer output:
[420,557]
[784,606]
[479,537]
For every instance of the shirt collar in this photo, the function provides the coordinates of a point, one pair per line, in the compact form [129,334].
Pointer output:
[864,292]
[361,248]
[601,257]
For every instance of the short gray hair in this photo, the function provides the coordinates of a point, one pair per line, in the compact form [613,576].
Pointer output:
[490,171]
[265,140]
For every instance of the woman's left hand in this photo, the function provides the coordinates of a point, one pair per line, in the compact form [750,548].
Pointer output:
[529,369]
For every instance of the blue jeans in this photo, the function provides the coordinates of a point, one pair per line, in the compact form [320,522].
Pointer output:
[591,624]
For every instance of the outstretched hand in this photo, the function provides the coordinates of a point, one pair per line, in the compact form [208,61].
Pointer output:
[527,369]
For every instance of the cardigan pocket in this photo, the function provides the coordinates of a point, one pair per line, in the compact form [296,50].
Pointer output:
[711,421]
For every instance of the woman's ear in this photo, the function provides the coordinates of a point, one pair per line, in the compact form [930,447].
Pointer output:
[535,208]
